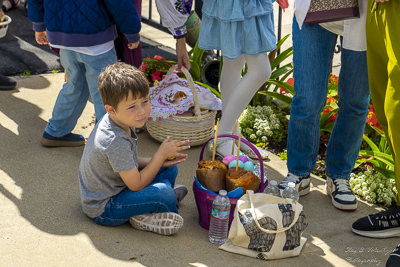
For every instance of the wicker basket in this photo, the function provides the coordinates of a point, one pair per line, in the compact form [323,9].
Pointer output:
[198,129]
[4,26]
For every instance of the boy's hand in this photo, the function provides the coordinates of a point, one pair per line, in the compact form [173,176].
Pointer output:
[133,45]
[170,149]
[171,162]
[41,38]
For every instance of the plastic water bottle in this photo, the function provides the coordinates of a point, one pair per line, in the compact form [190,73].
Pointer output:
[291,192]
[219,221]
[272,189]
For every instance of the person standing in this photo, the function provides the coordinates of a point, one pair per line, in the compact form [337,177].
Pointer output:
[313,49]
[383,53]
[84,31]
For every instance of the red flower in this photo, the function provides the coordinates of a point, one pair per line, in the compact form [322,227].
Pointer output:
[290,81]
[156,76]
[144,66]
[158,57]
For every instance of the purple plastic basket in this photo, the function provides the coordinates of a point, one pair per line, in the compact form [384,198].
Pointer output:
[204,200]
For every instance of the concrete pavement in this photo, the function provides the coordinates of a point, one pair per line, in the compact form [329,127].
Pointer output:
[43,225]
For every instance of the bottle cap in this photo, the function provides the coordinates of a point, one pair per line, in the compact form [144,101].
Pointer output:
[273,182]
[223,192]
[291,184]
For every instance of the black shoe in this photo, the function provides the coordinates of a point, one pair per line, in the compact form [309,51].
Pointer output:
[302,183]
[180,192]
[381,225]
[394,258]
[7,83]
[66,140]
[341,194]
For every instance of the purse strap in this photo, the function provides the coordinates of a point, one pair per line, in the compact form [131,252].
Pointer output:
[250,194]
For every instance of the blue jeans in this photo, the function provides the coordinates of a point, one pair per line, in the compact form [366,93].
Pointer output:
[83,72]
[158,197]
[313,49]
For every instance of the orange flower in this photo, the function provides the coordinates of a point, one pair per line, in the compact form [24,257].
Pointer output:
[331,99]
[333,79]
[290,81]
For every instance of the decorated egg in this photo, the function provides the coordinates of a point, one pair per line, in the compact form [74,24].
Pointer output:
[248,166]
[228,159]
[233,164]
[243,158]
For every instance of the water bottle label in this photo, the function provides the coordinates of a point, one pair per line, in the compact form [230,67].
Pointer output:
[220,214]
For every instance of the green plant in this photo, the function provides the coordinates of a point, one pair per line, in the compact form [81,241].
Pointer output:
[379,155]
[25,74]
[262,123]
[373,186]
[283,155]
[279,74]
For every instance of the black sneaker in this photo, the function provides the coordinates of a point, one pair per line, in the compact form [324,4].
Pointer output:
[302,183]
[66,140]
[7,83]
[381,225]
[394,258]
[341,194]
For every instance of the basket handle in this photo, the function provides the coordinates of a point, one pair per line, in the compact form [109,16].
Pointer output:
[197,112]
[262,185]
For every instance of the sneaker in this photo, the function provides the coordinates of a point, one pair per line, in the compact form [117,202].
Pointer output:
[7,83]
[66,140]
[180,192]
[166,223]
[302,183]
[394,258]
[381,225]
[340,191]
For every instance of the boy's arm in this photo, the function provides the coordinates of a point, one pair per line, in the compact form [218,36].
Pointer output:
[136,180]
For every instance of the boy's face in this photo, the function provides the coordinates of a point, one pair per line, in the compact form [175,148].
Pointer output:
[130,112]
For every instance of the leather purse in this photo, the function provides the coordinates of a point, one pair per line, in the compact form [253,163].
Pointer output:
[331,10]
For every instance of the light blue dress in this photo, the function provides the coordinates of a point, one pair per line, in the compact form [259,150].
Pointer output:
[237,27]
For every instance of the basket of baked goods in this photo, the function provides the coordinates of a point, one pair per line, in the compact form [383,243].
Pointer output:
[182,109]
[235,173]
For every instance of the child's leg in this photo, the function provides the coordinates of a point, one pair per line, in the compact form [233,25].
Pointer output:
[156,198]
[258,72]
[93,67]
[72,98]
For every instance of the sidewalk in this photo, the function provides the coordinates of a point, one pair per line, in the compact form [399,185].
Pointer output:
[43,225]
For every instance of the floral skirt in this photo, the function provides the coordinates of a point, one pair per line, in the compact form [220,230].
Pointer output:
[237,27]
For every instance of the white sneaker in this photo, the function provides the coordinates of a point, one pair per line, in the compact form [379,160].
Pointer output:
[341,194]
[165,223]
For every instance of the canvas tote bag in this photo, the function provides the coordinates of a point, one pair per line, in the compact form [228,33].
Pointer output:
[266,227]
[331,10]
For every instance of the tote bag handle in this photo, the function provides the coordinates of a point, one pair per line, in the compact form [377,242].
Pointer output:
[250,194]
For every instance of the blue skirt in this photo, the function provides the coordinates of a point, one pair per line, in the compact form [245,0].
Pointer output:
[237,27]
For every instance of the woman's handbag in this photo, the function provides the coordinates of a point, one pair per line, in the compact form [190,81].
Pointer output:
[331,10]
[266,227]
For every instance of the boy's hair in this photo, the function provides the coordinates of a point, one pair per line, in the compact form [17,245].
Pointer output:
[117,80]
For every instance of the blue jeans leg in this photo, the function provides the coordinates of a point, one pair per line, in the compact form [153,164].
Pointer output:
[346,137]
[158,197]
[83,72]
[313,49]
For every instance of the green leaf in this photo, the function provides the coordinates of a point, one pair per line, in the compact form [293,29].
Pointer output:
[284,85]
[281,57]
[281,71]
[215,92]
[283,98]
[370,143]
[385,158]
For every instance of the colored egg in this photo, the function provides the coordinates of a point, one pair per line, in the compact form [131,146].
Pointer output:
[243,158]
[248,166]
[228,159]
[233,164]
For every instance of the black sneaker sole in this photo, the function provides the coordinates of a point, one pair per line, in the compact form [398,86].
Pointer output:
[391,232]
